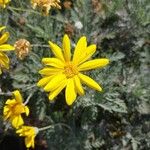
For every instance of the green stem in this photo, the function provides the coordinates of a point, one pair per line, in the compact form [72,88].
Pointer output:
[51,126]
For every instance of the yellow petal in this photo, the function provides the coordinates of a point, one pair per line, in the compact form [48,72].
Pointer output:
[93,64]
[26,110]
[54,93]
[4,38]
[56,51]
[28,142]
[66,48]
[50,71]
[54,62]
[2,28]
[44,81]
[17,121]
[79,49]
[17,95]
[6,47]
[70,92]
[10,102]
[55,82]
[78,85]
[90,82]
[90,50]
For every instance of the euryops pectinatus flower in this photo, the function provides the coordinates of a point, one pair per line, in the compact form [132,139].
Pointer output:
[3,3]
[29,133]
[14,108]
[60,71]
[4,60]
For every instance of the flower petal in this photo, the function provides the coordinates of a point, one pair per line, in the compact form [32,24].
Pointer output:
[44,81]
[70,92]
[26,110]
[54,62]
[90,82]
[4,38]
[93,64]
[17,121]
[2,28]
[6,47]
[66,48]
[90,50]
[18,96]
[56,51]
[50,71]
[79,49]
[55,82]
[54,93]
[78,85]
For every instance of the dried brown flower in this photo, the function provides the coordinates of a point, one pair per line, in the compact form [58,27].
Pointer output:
[69,29]
[22,47]
[67,4]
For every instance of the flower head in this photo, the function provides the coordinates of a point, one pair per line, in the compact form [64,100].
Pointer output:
[22,47]
[14,108]
[29,133]
[4,60]
[45,5]
[3,3]
[60,71]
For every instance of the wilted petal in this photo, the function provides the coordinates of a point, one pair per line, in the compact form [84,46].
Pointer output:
[18,96]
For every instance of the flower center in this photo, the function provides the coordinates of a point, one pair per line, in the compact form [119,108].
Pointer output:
[18,109]
[70,70]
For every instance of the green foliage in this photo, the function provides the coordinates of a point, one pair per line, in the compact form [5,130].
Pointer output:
[118,117]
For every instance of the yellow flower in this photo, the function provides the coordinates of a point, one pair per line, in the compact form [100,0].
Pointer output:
[45,5]
[3,3]
[4,60]
[29,133]
[14,108]
[61,71]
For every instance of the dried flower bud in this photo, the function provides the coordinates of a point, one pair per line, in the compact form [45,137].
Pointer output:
[67,4]
[69,29]
[22,47]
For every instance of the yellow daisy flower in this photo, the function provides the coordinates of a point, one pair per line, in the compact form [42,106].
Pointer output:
[29,133]
[61,71]
[45,5]
[14,108]
[4,60]
[3,3]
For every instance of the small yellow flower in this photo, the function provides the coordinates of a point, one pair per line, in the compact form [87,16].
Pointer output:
[61,71]
[3,3]
[45,5]
[4,60]
[29,133]
[14,108]
[22,48]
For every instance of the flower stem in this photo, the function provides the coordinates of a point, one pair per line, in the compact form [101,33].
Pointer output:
[5,94]
[51,126]
[28,98]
